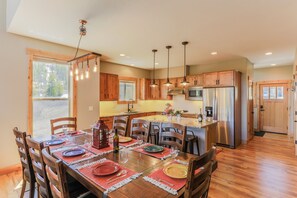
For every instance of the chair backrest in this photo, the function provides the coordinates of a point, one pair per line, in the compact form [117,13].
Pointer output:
[198,178]
[56,175]
[20,139]
[173,134]
[58,124]
[35,149]
[140,127]
[120,123]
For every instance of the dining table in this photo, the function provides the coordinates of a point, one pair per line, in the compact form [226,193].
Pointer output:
[143,173]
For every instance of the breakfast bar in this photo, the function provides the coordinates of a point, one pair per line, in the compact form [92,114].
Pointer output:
[205,130]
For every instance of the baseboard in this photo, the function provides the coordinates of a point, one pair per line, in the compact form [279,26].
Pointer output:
[10,169]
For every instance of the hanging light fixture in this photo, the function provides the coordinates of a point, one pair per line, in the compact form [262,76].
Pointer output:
[168,83]
[185,82]
[83,73]
[153,82]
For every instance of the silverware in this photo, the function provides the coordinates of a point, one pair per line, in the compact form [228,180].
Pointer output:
[117,175]
[116,178]
[164,181]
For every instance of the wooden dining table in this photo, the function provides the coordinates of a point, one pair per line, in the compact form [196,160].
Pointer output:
[138,162]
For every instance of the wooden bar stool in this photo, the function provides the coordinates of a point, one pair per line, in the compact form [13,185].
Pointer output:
[191,140]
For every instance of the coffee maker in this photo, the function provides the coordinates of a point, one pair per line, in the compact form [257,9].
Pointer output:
[209,113]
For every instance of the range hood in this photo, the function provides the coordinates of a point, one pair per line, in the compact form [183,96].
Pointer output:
[176,91]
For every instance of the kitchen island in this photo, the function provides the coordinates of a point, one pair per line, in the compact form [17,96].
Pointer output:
[206,130]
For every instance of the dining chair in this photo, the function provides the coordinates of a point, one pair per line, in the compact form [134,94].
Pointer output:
[154,133]
[199,174]
[35,149]
[60,188]
[120,123]
[58,124]
[140,127]
[27,169]
[173,134]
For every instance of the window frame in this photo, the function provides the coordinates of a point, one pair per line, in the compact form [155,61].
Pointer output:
[35,55]
[128,79]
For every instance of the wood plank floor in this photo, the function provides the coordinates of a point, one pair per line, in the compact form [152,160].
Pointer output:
[265,167]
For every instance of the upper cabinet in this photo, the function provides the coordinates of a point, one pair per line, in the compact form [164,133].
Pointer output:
[164,90]
[195,80]
[146,92]
[218,79]
[109,87]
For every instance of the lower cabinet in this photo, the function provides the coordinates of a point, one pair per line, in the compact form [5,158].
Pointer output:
[108,121]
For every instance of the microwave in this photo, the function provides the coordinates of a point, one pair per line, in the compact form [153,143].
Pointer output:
[194,93]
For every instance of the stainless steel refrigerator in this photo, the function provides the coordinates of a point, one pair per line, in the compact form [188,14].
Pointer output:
[225,106]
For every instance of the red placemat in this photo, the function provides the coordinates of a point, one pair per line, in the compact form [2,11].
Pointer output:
[71,160]
[70,133]
[126,144]
[102,180]
[161,155]
[159,176]
[98,151]
[55,147]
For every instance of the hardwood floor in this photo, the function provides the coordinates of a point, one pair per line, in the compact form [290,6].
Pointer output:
[265,167]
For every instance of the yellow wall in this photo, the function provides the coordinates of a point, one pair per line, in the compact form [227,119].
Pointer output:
[14,87]
[273,73]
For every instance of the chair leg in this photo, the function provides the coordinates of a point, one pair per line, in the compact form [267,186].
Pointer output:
[191,147]
[23,188]
[197,143]
[32,189]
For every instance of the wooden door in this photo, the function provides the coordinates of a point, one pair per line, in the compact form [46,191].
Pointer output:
[226,78]
[210,79]
[103,91]
[112,86]
[274,107]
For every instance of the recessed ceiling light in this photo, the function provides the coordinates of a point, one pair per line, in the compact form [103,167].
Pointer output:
[122,55]
[214,53]
[268,53]
[273,64]
[157,63]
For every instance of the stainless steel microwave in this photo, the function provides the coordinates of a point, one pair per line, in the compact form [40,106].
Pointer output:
[194,93]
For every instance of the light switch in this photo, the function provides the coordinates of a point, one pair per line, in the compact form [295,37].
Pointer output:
[91,108]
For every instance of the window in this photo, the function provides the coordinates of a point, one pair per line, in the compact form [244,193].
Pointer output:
[273,93]
[280,93]
[266,93]
[127,89]
[50,94]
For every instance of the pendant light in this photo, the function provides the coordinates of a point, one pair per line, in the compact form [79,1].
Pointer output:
[168,83]
[185,82]
[153,83]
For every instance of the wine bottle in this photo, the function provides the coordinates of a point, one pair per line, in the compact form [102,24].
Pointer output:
[200,116]
[116,138]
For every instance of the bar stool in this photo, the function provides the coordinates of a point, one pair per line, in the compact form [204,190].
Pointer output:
[190,140]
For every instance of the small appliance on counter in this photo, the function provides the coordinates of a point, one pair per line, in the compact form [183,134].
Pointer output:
[209,113]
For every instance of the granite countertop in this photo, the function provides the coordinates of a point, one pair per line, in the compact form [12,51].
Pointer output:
[189,122]
[124,113]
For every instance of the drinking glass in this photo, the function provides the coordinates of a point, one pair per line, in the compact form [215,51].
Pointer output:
[174,152]
[140,139]
[65,130]
[123,156]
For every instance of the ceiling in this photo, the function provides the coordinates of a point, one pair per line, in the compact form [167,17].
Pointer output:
[233,28]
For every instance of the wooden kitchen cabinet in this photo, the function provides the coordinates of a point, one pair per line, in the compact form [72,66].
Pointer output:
[108,121]
[109,87]
[219,79]
[164,90]
[146,92]
[195,80]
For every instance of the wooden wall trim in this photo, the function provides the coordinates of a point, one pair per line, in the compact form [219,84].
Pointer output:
[30,101]
[45,54]
[9,169]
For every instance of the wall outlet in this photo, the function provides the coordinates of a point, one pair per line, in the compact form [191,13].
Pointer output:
[91,108]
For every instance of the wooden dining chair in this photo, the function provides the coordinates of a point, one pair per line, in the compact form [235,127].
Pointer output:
[27,169]
[173,134]
[199,175]
[58,180]
[58,124]
[121,124]
[140,127]
[35,149]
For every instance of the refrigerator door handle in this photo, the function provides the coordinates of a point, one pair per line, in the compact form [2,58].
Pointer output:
[215,116]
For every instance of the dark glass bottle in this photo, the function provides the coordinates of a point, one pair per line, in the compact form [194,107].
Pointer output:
[200,116]
[116,138]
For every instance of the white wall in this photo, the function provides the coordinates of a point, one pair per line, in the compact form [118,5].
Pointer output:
[273,73]
[14,85]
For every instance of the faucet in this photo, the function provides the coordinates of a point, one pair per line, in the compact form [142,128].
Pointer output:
[130,108]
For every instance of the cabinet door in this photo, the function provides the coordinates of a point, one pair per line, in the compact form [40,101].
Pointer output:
[103,82]
[178,82]
[142,88]
[108,121]
[155,91]
[210,79]
[192,80]
[164,90]
[148,95]
[199,79]
[226,78]
[113,86]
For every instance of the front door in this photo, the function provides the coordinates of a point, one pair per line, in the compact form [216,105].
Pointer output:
[274,107]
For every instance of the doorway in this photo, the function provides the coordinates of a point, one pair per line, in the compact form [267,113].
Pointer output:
[273,107]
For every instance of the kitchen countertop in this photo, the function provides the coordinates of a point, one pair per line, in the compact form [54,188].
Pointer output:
[125,113]
[189,122]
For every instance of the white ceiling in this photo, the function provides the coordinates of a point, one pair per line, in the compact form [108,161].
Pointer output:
[233,28]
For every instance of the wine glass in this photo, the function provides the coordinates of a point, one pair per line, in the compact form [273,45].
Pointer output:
[174,152]
[123,156]
[140,139]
